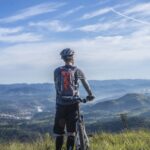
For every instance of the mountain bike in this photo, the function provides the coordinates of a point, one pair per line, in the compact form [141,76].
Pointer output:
[81,140]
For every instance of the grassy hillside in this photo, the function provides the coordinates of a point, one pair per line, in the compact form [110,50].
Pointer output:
[129,140]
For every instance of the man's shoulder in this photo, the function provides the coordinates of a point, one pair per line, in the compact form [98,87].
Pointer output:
[78,69]
[57,69]
[80,73]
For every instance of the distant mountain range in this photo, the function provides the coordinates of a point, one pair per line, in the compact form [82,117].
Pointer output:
[28,109]
[25,100]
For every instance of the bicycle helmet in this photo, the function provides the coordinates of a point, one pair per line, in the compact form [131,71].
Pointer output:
[67,53]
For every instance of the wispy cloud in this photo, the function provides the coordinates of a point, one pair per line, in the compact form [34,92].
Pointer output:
[69,12]
[128,17]
[96,13]
[55,25]
[20,38]
[125,22]
[18,35]
[110,26]
[32,11]
[143,8]
[96,27]
[5,31]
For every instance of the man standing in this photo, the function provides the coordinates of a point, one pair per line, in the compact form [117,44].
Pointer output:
[66,83]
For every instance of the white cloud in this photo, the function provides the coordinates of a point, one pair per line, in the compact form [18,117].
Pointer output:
[19,38]
[32,11]
[18,35]
[96,27]
[106,57]
[4,31]
[140,8]
[55,25]
[69,12]
[96,13]
[123,24]
[129,18]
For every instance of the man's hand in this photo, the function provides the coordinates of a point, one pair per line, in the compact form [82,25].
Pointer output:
[90,97]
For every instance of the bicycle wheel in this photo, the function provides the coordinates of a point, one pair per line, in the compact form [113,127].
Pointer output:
[81,136]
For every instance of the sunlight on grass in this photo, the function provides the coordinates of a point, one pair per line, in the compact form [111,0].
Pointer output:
[127,140]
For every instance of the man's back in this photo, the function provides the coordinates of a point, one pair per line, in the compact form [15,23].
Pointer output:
[66,82]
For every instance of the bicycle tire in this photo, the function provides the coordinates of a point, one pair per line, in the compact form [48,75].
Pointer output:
[81,137]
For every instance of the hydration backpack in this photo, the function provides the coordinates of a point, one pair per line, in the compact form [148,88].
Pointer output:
[67,85]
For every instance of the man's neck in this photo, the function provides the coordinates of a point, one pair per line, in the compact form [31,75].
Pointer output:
[69,64]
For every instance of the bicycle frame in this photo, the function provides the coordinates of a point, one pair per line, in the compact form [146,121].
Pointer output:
[80,125]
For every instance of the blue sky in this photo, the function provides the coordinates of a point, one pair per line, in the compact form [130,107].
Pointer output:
[110,38]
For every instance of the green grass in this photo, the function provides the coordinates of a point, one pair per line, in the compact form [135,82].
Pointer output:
[128,140]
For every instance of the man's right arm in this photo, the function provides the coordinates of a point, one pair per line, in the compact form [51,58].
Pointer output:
[85,84]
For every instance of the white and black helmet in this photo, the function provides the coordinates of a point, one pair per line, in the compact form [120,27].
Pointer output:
[67,53]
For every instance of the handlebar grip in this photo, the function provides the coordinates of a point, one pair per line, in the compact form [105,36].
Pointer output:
[84,100]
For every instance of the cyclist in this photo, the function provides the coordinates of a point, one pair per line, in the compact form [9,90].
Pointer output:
[66,83]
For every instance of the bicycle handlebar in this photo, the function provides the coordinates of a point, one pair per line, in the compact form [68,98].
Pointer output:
[76,98]
[79,99]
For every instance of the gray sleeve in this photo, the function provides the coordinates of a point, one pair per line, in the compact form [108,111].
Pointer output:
[86,86]
[81,76]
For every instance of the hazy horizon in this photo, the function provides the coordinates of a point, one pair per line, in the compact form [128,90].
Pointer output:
[53,82]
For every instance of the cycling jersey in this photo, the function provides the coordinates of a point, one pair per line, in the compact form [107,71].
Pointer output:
[78,75]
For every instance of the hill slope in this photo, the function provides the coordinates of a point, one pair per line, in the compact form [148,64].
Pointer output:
[126,102]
